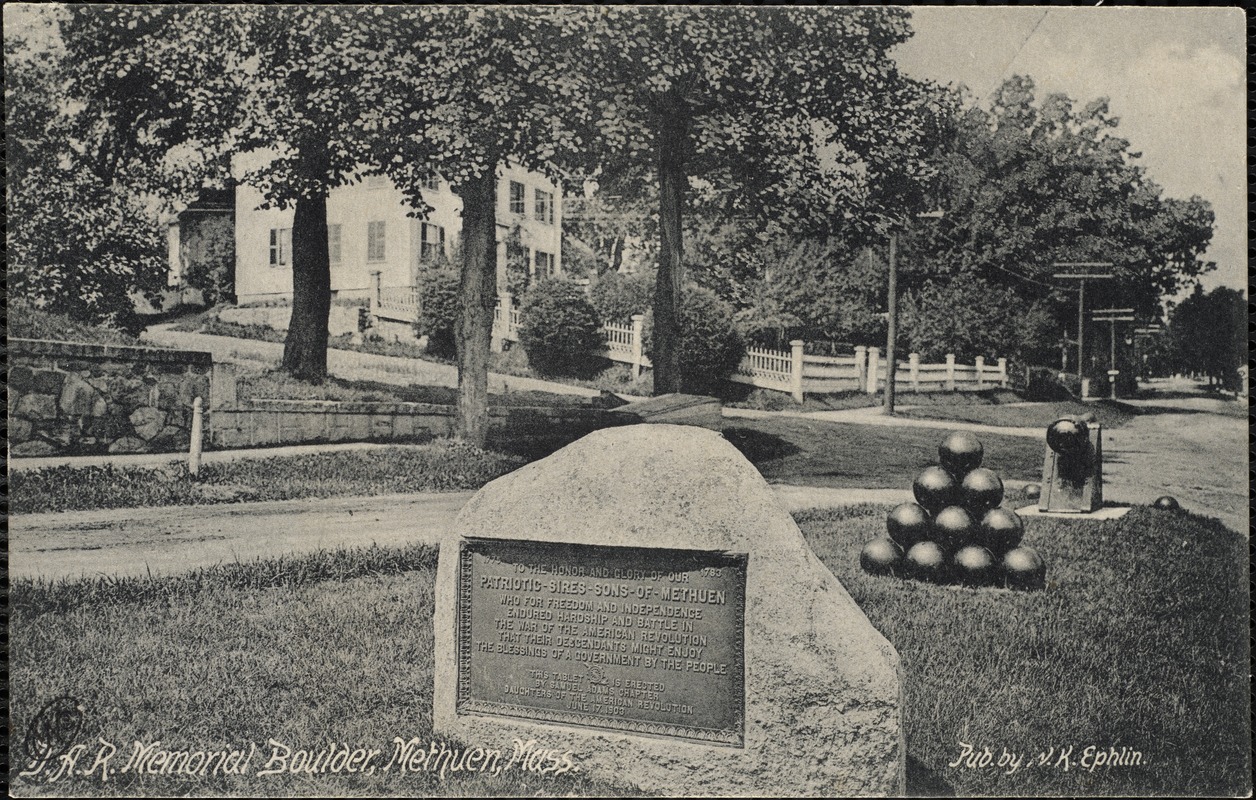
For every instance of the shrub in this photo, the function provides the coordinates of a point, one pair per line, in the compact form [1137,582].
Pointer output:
[710,346]
[1043,384]
[560,330]
[438,310]
[28,321]
[617,297]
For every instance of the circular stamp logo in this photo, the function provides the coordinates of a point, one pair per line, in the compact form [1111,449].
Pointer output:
[53,730]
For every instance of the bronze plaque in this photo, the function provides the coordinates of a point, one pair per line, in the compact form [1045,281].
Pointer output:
[641,639]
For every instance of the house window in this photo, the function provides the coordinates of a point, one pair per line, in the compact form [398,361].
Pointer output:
[333,244]
[375,240]
[545,206]
[431,182]
[544,264]
[376,182]
[517,205]
[431,243]
[280,246]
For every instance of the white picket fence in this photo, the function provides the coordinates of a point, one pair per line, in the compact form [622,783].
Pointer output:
[789,371]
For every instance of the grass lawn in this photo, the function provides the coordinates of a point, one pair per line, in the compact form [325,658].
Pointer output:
[1139,641]
[440,466]
[814,453]
[1108,414]
[795,451]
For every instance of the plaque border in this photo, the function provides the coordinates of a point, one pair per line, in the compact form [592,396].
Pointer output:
[464,704]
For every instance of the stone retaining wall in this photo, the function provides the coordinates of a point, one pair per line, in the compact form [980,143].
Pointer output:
[69,398]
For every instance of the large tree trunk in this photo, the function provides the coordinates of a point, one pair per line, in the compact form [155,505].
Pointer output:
[477,294]
[305,350]
[671,140]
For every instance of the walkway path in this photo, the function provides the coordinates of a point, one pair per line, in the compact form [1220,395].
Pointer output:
[131,541]
[352,365]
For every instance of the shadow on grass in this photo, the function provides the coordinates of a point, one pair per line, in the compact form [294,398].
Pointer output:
[758,446]
[924,782]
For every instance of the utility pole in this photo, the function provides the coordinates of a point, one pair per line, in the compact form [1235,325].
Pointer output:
[1082,277]
[1112,316]
[891,332]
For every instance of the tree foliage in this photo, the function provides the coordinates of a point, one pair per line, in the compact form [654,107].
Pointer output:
[801,111]
[1027,183]
[465,90]
[79,242]
[1209,335]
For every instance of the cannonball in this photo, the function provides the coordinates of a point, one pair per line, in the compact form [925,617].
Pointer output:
[975,566]
[1023,568]
[1166,503]
[934,488]
[1000,530]
[1068,436]
[1032,491]
[981,490]
[925,561]
[907,524]
[881,556]
[959,453]
[953,528]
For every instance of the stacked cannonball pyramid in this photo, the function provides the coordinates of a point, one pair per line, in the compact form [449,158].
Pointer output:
[956,532]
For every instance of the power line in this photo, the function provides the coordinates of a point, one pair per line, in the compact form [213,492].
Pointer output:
[1016,55]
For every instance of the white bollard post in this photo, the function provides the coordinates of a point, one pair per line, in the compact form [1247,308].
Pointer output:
[874,366]
[981,365]
[638,344]
[1003,372]
[913,361]
[194,452]
[795,370]
[861,367]
[950,372]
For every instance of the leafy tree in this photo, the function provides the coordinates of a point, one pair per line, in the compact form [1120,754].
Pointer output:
[799,113]
[175,90]
[464,90]
[1025,184]
[79,242]
[1209,333]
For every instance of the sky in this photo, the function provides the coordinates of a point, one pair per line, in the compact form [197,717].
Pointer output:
[1176,78]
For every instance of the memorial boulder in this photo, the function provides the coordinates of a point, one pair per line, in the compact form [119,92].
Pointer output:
[641,600]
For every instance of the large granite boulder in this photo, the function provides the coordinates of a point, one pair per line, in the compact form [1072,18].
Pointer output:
[822,688]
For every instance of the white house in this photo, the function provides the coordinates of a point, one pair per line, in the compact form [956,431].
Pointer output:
[369,230]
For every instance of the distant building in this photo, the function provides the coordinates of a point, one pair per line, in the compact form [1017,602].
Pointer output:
[369,230]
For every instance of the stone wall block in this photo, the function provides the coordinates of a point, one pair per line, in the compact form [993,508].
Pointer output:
[37,406]
[32,449]
[20,378]
[147,421]
[78,397]
[129,444]
[19,430]
[47,381]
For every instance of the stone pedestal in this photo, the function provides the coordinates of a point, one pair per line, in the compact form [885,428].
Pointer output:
[822,688]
